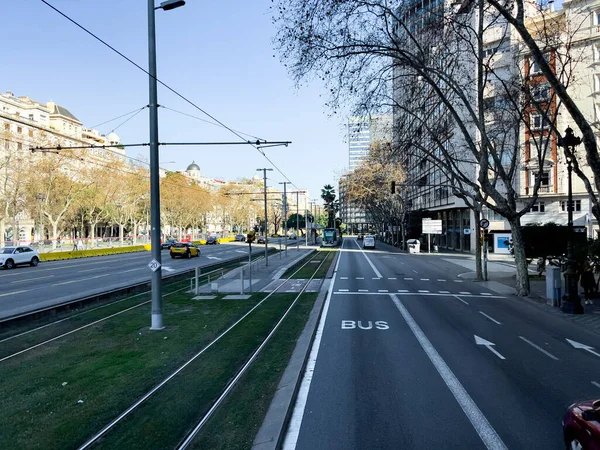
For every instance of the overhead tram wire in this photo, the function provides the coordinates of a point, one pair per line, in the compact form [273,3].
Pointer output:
[126,120]
[166,86]
[119,117]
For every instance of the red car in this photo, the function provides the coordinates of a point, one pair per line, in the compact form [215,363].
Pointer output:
[581,426]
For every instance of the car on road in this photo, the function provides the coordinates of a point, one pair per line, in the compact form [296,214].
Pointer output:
[240,238]
[293,236]
[10,257]
[261,240]
[369,242]
[212,240]
[184,250]
[168,243]
[581,426]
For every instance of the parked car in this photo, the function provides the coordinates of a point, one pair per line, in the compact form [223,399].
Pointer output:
[581,425]
[369,242]
[293,236]
[212,240]
[168,243]
[261,240]
[11,257]
[240,238]
[184,250]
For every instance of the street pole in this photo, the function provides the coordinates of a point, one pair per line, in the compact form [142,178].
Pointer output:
[285,183]
[266,221]
[41,197]
[157,318]
[306,221]
[297,222]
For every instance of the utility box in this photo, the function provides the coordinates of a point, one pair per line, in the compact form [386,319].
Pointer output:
[414,246]
[554,285]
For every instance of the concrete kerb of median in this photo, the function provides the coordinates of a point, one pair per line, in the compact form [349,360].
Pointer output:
[272,432]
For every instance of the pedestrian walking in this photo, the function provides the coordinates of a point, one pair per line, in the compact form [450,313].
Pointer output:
[588,282]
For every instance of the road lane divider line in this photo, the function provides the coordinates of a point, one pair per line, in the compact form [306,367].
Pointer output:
[363,290]
[295,423]
[539,348]
[377,273]
[14,292]
[464,301]
[343,290]
[491,318]
[482,426]
[408,279]
[439,279]
[424,279]
[402,290]
[133,270]
[415,271]
[382,290]
[423,291]
[464,293]
[31,279]
[595,383]
[343,278]
[360,278]
[444,292]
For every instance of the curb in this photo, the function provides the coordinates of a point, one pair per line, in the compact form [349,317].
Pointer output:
[272,431]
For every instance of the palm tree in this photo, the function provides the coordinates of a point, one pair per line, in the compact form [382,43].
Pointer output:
[331,204]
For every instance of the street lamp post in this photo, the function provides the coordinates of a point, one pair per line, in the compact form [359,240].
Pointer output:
[285,211]
[157,319]
[40,197]
[571,301]
[266,221]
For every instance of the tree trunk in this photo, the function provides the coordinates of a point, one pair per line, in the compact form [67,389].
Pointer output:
[121,234]
[54,233]
[2,231]
[93,233]
[522,281]
[135,230]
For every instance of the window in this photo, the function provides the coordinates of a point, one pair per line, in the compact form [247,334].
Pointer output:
[19,130]
[541,92]
[563,205]
[597,17]
[7,127]
[596,51]
[30,133]
[597,82]
[534,67]
[489,103]
[489,52]
[19,146]
[538,207]
[31,117]
[537,121]
[545,178]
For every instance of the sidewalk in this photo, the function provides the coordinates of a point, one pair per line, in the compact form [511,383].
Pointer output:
[264,278]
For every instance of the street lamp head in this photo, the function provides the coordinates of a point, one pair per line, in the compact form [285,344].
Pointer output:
[569,140]
[171,4]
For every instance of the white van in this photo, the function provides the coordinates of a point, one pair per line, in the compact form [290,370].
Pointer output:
[369,242]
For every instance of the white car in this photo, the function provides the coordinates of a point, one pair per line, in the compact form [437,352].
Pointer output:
[11,257]
[369,242]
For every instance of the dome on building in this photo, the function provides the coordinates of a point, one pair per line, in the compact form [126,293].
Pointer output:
[193,166]
[113,138]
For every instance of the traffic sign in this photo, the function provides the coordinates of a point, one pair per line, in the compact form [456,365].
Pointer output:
[484,223]
[154,265]
[431,226]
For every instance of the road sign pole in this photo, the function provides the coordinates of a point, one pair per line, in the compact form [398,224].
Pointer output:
[429,242]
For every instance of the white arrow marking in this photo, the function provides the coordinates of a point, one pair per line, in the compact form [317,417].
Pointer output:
[214,257]
[587,348]
[488,344]
[168,269]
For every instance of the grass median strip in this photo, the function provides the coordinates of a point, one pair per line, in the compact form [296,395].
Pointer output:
[314,259]
[238,419]
[165,418]
[56,396]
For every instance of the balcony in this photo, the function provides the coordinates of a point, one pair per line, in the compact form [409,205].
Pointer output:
[545,189]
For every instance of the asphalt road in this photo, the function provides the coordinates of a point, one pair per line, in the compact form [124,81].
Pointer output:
[28,288]
[411,356]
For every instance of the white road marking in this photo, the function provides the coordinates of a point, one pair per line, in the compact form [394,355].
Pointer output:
[423,290]
[369,261]
[595,383]
[291,437]
[491,318]
[444,292]
[132,270]
[343,290]
[15,292]
[439,279]
[82,279]
[587,348]
[424,279]
[31,279]
[415,271]
[486,293]
[360,278]
[95,269]
[464,293]
[391,278]
[480,423]
[409,279]
[488,344]
[343,278]
[539,348]
[382,290]
[458,281]
[457,297]
[402,290]
[363,290]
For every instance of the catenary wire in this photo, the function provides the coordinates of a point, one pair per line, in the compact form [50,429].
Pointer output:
[117,118]
[167,87]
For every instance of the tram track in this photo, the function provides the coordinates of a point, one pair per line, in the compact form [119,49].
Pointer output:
[103,433]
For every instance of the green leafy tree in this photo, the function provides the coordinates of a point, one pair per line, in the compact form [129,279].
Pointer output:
[331,205]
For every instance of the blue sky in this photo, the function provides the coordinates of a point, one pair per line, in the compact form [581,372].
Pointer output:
[218,54]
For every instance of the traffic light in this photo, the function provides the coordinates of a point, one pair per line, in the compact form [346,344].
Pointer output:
[393,187]
[250,237]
